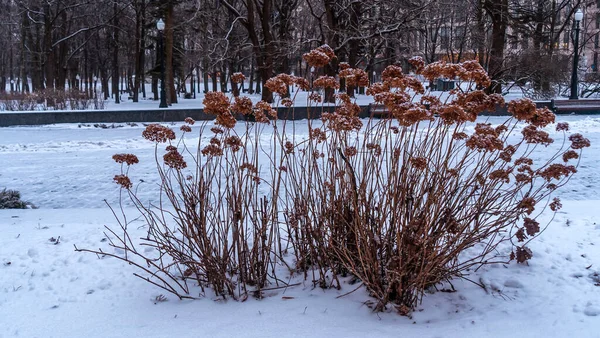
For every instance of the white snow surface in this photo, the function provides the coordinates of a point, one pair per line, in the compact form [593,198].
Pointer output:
[49,290]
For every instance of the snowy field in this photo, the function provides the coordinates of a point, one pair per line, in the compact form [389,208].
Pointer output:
[48,290]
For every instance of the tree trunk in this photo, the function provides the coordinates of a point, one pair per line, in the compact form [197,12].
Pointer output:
[115,60]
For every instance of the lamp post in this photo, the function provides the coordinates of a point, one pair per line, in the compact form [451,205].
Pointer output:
[574,80]
[312,77]
[77,77]
[160,25]
[12,85]
[95,78]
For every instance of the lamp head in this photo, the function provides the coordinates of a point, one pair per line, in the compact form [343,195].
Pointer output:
[578,15]
[160,25]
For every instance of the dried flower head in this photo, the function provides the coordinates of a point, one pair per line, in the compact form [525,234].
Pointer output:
[522,109]
[578,141]
[532,134]
[319,57]
[420,163]
[263,110]
[216,103]
[158,133]
[418,63]
[287,102]
[555,205]
[531,226]
[355,77]
[350,151]
[326,82]
[527,203]
[123,181]
[185,128]
[189,121]
[523,254]
[212,150]
[237,77]
[315,97]
[557,171]
[129,159]
[562,126]
[242,105]
[570,155]
[174,160]
[234,142]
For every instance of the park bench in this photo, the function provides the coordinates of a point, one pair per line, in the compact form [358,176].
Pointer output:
[575,106]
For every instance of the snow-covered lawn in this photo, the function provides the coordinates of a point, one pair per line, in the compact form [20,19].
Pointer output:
[49,290]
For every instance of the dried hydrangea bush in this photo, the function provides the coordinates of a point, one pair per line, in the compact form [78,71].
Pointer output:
[402,203]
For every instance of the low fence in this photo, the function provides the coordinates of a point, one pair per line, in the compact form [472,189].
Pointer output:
[176,114]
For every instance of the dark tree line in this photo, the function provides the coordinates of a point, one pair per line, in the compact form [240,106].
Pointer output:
[85,44]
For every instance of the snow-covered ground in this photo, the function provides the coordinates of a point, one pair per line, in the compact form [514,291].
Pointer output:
[49,290]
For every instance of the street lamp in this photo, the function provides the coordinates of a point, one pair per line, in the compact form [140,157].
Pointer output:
[95,78]
[12,85]
[160,25]
[312,77]
[574,80]
[77,77]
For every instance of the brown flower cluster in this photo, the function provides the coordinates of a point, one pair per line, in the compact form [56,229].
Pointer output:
[377,88]
[355,77]
[320,56]
[531,226]
[185,128]
[570,155]
[475,102]
[341,121]
[350,151]
[262,111]
[237,77]
[555,205]
[317,134]
[189,121]
[507,153]
[242,105]
[533,135]
[216,103]
[212,150]
[523,254]
[527,203]
[287,102]
[562,126]
[419,163]
[326,82]
[408,114]
[485,138]
[129,159]
[234,142]
[315,97]
[466,71]
[158,133]
[249,167]
[578,141]
[174,159]
[280,83]
[289,147]
[542,117]
[123,181]
[557,171]
[502,175]
[375,148]
[418,63]
[522,109]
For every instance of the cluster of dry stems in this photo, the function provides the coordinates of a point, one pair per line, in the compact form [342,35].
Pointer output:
[393,202]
